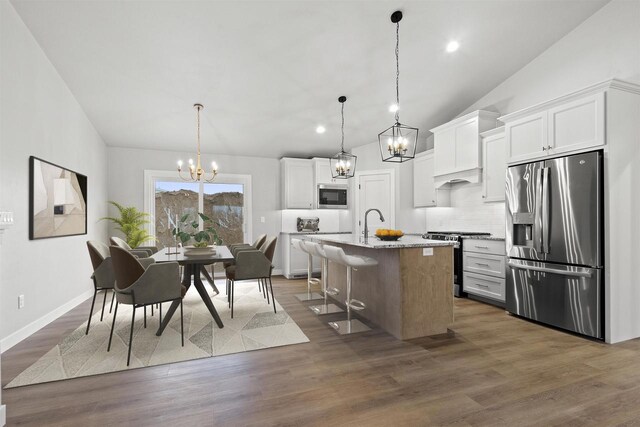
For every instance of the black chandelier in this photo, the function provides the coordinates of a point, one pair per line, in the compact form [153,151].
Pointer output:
[398,142]
[343,164]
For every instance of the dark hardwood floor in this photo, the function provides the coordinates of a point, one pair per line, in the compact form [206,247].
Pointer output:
[490,369]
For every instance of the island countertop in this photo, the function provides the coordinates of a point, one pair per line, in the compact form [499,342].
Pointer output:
[406,241]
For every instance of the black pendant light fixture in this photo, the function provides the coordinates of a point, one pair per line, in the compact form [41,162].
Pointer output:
[398,142]
[343,164]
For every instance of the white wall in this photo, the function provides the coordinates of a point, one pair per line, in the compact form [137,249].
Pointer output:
[41,117]
[126,181]
[602,47]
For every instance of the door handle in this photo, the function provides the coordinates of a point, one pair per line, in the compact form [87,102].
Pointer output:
[537,218]
[545,210]
[550,270]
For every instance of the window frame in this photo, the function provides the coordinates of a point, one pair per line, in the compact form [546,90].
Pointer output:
[152,176]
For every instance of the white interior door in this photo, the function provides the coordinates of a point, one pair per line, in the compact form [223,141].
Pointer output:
[375,189]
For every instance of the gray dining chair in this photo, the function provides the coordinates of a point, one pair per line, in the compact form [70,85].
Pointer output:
[252,264]
[140,251]
[141,282]
[103,276]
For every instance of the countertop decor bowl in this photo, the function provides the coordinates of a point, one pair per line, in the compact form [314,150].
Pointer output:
[193,251]
[389,238]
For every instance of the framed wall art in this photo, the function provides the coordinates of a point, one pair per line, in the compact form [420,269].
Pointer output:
[57,201]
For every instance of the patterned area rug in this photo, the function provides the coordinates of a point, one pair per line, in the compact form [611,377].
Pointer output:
[254,326]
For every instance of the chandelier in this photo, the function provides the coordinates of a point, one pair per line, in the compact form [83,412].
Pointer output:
[196,173]
[343,164]
[398,142]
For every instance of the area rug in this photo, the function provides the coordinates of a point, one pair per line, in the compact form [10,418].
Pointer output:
[254,326]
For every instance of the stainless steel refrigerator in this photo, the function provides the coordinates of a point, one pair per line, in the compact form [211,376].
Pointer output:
[554,238]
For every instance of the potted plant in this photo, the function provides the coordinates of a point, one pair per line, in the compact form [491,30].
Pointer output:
[204,241]
[131,223]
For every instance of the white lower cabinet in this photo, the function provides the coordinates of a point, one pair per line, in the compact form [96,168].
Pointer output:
[484,265]
[484,286]
[295,262]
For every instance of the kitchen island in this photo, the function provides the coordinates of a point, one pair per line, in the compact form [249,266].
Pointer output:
[409,294]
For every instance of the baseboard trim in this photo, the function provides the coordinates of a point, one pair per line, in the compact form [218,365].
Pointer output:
[36,325]
[3,415]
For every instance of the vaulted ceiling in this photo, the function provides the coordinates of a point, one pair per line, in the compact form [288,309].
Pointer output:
[268,72]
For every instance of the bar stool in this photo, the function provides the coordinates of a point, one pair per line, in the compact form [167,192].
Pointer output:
[352,262]
[324,308]
[309,296]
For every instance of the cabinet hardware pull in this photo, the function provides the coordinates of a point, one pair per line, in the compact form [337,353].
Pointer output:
[483,286]
[483,264]
[548,147]
[482,247]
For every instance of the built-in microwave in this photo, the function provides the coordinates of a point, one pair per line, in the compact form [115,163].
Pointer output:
[333,196]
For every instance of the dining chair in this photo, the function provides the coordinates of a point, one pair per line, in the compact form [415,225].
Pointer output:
[140,251]
[141,282]
[251,264]
[103,276]
[262,246]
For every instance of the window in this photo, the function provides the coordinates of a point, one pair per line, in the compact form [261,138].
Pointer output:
[227,201]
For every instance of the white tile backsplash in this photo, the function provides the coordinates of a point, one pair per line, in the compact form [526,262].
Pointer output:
[468,212]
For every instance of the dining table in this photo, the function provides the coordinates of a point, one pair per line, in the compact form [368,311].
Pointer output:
[193,268]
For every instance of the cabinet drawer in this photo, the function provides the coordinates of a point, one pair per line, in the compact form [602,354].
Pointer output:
[494,247]
[493,265]
[485,286]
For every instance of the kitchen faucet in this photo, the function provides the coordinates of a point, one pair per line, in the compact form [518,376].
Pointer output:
[366,227]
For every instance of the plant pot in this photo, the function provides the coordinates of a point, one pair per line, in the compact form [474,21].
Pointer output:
[203,251]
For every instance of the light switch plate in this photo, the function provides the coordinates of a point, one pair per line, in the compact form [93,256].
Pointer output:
[427,251]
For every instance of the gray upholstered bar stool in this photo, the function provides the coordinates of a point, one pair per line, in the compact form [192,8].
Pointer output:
[325,308]
[352,262]
[309,296]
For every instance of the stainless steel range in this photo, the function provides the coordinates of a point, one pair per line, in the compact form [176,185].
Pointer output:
[454,236]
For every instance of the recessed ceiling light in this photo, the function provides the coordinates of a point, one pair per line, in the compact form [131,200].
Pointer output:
[452,46]
[393,108]
[320,129]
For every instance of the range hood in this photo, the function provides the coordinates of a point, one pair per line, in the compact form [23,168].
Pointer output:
[472,176]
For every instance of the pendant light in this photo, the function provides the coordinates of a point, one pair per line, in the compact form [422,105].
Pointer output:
[398,142]
[343,164]
[196,173]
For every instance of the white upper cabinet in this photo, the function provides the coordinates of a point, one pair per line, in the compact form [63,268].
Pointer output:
[297,183]
[457,143]
[323,172]
[527,137]
[577,124]
[494,160]
[425,193]
[568,124]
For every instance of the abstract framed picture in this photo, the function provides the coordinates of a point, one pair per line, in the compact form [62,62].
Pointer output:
[57,201]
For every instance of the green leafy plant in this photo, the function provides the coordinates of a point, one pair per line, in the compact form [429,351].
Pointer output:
[131,223]
[188,229]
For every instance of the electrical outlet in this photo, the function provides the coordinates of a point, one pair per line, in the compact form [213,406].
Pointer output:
[20,301]
[262,219]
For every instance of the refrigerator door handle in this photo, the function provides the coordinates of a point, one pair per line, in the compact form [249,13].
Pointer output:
[545,210]
[537,214]
[550,270]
